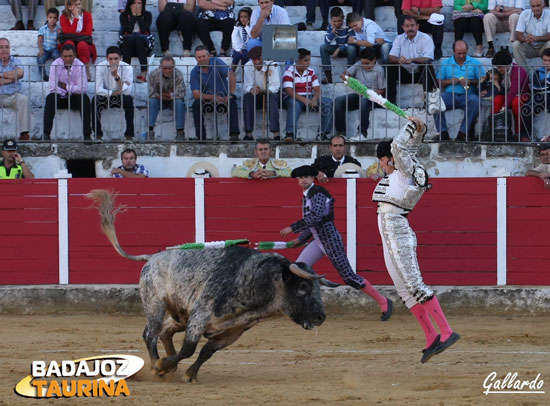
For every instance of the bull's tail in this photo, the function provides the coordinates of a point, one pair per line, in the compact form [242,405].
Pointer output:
[104,201]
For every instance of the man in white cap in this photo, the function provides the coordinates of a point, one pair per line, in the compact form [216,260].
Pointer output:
[12,165]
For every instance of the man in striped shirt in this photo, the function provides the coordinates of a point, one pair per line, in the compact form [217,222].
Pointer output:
[303,92]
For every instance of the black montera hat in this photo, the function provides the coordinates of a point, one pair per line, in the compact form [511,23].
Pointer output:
[9,145]
[304,170]
[384,149]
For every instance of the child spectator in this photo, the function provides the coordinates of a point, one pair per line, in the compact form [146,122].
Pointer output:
[336,43]
[366,33]
[239,38]
[47,41]
[491,84]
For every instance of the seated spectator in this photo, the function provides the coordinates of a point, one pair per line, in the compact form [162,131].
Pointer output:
[491,84]
[459,76]
[12,165]
[367,34]
[47,41]
[239,38]
[327,164]
[11,72]
[542,171]
[372,4]
[502,16]
[541,79]
[532,32]
[267,14]
[336,43]
[215,15]
[135,37]
[468,17]
[261,86]
[167,90]
[129,168]
[262,167]
[411,57]
[303,92]
[86,4]
[17,10]
[67,86]
[77,26]
[113,88]
[324,5]
[516,91]
[371,75]
[176,15]
[421,10]
[210,87]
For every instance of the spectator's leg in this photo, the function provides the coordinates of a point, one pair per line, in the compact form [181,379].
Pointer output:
[17,11]
[351,53]
[128,106]
[99,103]
[515,111]
[366,107]
[127,48]
[326,115]
[425,75]
[249,108]
[340,118]
[476,26]
[202,28]
[369,6]
[233,115]
[22,103]
[512,22]
[523,51]
[154,107]
[323,7]
[41,62]
[273,108]
[326,51]
[80,103]
[199,124]
[294,109]
[385,49]
[186,24]
[393,77]
[141,50]
[166,22]
[180,114]
[310,11]
[83,51]
[439,118]
[400,21]
[461,26]
[498,103]
[32,6]
[226,27]
[49,110]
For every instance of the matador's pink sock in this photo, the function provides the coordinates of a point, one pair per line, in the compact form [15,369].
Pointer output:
[423,318]
[381,300]
[433,307]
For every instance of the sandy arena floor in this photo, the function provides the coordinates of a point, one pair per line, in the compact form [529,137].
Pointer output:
[351,359]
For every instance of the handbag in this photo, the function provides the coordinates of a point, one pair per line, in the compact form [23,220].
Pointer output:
[435,102]
[149,39]
[63,37]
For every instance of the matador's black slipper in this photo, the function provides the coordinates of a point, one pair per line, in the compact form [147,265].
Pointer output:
[443,345]
[387,314]
[431,350]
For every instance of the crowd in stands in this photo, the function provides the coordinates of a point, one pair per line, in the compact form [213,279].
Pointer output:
[377,61]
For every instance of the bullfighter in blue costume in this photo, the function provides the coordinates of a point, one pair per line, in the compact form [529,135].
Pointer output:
[317,222]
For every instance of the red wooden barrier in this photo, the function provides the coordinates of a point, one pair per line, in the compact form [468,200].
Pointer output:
[29,242]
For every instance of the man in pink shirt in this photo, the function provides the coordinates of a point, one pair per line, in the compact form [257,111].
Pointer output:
[422,10]
[67,85]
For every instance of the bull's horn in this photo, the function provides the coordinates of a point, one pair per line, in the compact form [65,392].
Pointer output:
[296,270]
[328,283]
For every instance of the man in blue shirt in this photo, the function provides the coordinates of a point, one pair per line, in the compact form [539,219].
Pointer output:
[211,92]
[459,76]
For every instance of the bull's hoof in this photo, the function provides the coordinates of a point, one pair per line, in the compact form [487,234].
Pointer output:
[187,377]
[163,366]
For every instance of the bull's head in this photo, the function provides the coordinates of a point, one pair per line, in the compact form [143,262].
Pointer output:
[303,297]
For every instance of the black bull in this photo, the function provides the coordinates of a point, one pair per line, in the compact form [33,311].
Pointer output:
[215,293]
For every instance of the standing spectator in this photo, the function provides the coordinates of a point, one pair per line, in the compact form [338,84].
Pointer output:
[77,26]
[135,38]
[372,4]
[47,41]
[327,164]
[515,92]
[468,17]
[532,32]
[411,57]
[86,4]
[261,86]
[371,75]
[262,167]
[324,5]
[267,14]
[303,92]
[503,16]
[366,33]
[209,85]
[67,86]
[215,15]
[459,76]
[129,168]
[12,165]
[239,38]
[542,171]
[176,15]
[11,73]
[336,43]
[167,89]
[113,87]
[421,10]
[17,10]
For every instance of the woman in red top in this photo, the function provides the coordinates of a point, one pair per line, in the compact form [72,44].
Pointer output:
[76,28]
